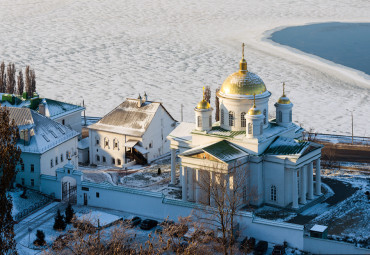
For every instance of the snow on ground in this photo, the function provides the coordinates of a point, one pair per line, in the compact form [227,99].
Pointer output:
[94,216]
[20,204]
[105,51]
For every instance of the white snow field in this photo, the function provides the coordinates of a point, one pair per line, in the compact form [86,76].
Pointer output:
[105,51]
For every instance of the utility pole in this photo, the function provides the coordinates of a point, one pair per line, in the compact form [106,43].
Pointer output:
[352,125]
[182,115]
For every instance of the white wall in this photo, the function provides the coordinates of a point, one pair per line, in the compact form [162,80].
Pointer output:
[325,246]
[72,120]
[68,146]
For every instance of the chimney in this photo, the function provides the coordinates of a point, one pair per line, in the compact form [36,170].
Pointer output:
[42,108]
[139,101]
[145,97]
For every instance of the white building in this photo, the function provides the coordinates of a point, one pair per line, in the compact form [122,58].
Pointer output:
[45,146]
[133,132]
[276,167]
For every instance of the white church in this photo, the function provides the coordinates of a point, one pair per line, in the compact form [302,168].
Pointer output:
[244,146]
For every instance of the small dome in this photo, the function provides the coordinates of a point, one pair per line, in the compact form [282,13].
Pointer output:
[284,100]
[203,105]
[254,111]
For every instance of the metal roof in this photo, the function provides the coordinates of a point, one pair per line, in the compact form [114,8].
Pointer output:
[287,146]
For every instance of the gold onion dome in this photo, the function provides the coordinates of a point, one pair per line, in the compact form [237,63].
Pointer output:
[243,82]
[254,110]
[284,99]
[202,105]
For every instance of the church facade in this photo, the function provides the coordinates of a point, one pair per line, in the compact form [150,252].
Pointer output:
[264,159]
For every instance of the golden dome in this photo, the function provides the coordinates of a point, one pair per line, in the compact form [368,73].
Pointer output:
[284,99]
[203,105]
[254,111]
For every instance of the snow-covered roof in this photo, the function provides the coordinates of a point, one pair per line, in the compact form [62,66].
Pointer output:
[45,133]
[318,228]
[287,146]
[222,150]
[128,118]
[182,131]
[58,109]
[83,143]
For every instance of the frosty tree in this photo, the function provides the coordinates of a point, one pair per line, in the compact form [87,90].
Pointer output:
[9,158]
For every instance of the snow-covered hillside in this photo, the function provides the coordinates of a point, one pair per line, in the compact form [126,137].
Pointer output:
[105,51]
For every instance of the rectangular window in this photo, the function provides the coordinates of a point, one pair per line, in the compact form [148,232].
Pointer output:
[22,181]
[61,157]
[118,162]
[104,159]
[97,194]
[22,167]
[67,155]
[97,141]
[97,158]
[113,161]
[85,188]
[51,163]
[32,182]
[32,168]
[56,160]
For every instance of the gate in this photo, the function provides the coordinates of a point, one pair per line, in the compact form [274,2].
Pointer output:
[69,193]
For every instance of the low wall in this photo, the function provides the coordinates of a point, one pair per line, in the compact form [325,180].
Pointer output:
[325,246]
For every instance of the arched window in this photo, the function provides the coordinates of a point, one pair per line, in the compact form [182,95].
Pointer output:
[222,116]
[210,121]
[106,142]
[249,128]
[242,117]
[273,196]
[199,121]
[261,128]
[231,119]
[290,116]
[265,118]
[115,143]
[280,116]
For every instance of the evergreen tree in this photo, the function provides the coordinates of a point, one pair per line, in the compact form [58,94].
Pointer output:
[217,102]
[69,214]
[20,83]
[9,158]
[10,83]
[59,223]
[40,238]
[2,78]
[33,82]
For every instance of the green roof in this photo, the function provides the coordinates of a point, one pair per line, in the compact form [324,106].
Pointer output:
[224,151]
[218,131]
[287,146]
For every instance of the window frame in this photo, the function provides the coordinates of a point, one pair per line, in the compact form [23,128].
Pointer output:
[231,118]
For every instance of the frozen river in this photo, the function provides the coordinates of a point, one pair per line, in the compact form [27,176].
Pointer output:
[105,51]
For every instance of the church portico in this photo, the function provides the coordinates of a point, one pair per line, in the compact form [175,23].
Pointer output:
[244,155]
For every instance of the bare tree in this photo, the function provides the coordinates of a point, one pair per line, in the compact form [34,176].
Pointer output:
[10,84]
[28,87]
[217,102]
[227,193]
[2,78]
[207,94]
[20,83]
[9,158]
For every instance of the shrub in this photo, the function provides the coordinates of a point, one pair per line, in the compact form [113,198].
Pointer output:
[40,238]
[69,214]
[59,223]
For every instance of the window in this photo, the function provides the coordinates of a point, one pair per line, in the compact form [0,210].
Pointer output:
[67,155]
[231,119]
[104,159]
[243,120]
[222,116]
[199,121]
[210,121]
[273,193]
[261,128]
[115,144]
[56,160]
[249,128]
[97,158]
[97,194]
[85,188]
[32,182]
[280,116]
[106,142]
[97,141]
[22,181]
[22,167]
[61,157]
[118,162]
[32,168]
[290,116]
[113,161]
[63,122]
[51,163]
[151,145]
[265,118]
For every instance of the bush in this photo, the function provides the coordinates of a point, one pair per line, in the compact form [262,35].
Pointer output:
[40,238]
[69,214]
[59,223]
